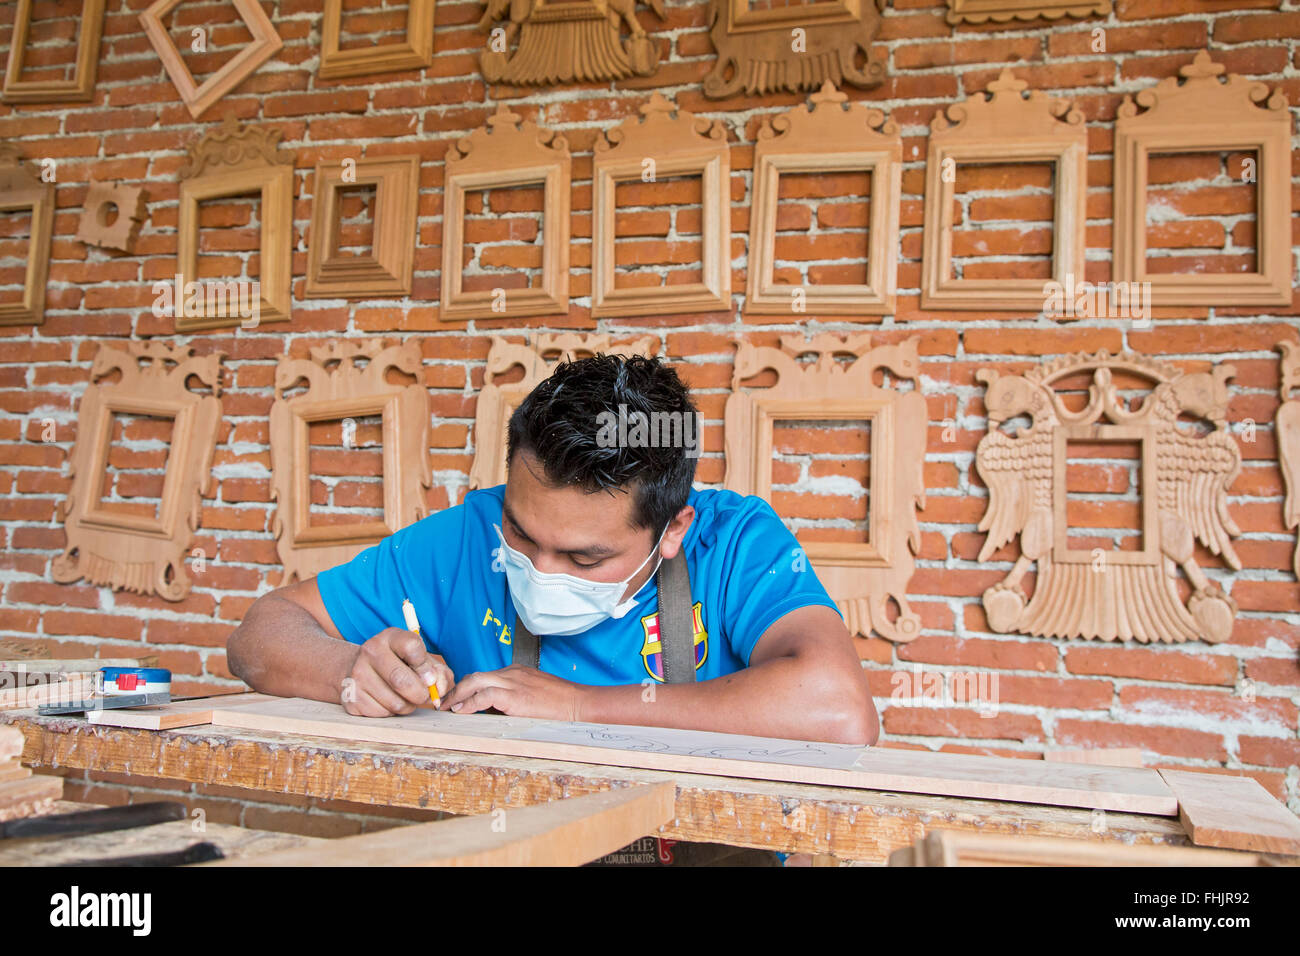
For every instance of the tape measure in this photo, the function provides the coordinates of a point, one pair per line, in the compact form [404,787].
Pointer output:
[136,680]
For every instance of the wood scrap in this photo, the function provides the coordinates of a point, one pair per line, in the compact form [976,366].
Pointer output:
[179,713]
[729,755]
[1234,812]
[23,798]
[946,848]
[76,687]
[11,742]
[562,833]
[13,770]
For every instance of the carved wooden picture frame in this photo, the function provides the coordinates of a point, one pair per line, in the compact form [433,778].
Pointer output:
[860,577]
[1110,594]
[497,401]
[412,53]
[677,143]
[134,552]
[101,199]
[386,272]
[1202,115]
[827,136]
[1000,11]
[338,388]
[757,53]
[1004,128]
[236,160]
[1287,424]
[21,188]
[82,85]
[200,97]
[509,151]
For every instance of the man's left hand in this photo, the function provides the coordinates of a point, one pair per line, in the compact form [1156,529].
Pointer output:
[518,692]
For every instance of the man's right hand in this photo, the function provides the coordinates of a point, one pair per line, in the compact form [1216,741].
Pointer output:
[392,674]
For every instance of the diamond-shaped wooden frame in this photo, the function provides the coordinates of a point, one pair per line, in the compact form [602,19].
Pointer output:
[415,52]
[199,97]
[81,86]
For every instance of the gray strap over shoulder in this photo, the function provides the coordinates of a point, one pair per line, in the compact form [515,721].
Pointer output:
[676,627]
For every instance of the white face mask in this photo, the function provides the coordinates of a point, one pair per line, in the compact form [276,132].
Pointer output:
[561,604]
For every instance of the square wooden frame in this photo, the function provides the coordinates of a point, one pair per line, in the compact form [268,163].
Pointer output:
[200,97]
[20,188]
[338,388]
[235,160]
[825,138]
[178,452]
[388,271]
[747,20]
[1149,492]
[680,143]
[1204,115]
[508,151]
[1005,128]
[82,86]
[1000,11]
[414,53]
[134,552]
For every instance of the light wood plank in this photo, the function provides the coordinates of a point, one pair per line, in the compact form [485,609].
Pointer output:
[564,833]
[74,665]
[179,713]
[22,798]
[1109,757]
[75,688]
[942,848]
[1234,812]
[729,755]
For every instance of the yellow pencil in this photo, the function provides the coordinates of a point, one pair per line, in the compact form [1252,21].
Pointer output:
[413,625]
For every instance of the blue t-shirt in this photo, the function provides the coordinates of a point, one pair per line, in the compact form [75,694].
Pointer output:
[747,570]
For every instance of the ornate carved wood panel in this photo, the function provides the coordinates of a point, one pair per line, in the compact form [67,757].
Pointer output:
[1000,11]
[1202,114]
[339,387]
[128,551]
[828,136]
[860,577]
[496,402]
[793,48]
[1185,476]
[1004,128]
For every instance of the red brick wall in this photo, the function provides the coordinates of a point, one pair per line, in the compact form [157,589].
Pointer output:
[1183,705]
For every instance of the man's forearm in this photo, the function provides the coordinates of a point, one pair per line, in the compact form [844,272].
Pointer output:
[280,649]
[757,701]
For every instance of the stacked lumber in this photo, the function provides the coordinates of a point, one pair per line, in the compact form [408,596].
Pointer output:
[23,794]
[939,848]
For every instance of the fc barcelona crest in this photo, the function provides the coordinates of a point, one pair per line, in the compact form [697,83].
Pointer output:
[651,650]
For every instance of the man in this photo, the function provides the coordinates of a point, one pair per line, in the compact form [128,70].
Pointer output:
[561,563]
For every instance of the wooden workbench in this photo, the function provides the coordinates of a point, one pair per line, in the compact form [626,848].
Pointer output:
[850,824]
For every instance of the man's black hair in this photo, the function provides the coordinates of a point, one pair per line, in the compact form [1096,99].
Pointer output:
[560,421]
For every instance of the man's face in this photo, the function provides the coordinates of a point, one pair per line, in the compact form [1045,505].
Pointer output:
[570,531]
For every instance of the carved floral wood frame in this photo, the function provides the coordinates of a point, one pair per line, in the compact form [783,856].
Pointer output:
[1000,11]
[21,188]
[338,387]
[861,578]
[82,85]
[388,271]
[411,53]
[1201,115]
[1004,127]
[1100,594]
[757,48]
[827,136]
[678,143]
[497,401]
[94,229]
[235,160]
[134,552]
[508,151]
[1287,424]
[200,97]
